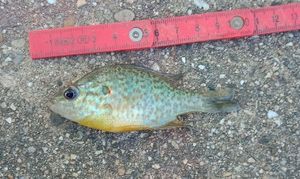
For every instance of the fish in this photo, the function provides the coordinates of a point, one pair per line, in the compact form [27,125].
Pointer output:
[124,98]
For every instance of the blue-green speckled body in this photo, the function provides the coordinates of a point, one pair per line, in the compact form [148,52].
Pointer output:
[124,98]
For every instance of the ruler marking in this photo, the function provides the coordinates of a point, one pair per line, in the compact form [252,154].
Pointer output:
[163,32]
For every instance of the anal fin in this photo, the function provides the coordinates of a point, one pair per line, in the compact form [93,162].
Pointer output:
[173,124]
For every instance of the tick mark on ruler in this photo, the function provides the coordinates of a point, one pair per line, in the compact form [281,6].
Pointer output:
[217,24]
[275,18]
[115,36]
[197,28]
[156,32]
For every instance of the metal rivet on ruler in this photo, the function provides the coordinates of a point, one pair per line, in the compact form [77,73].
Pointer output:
[237,22]
[136,34]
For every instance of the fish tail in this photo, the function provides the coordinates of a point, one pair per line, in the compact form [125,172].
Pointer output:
[220,106]
[219,101]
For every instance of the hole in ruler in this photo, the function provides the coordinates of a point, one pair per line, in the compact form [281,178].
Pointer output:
[136,34]
[237,23]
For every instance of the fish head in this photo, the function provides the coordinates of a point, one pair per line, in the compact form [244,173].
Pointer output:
[69,103]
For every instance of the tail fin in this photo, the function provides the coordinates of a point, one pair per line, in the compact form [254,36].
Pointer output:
[220,101]
[221,106]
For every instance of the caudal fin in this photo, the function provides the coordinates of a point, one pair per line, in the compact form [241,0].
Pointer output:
[219,101]
[221,106]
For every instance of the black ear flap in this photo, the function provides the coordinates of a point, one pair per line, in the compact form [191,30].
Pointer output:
[106,90]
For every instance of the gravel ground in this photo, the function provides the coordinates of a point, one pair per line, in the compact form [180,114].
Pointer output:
[260,141]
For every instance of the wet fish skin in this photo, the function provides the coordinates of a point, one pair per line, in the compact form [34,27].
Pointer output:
[122,98]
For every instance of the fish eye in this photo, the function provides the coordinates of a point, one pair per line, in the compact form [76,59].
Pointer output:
[71,93]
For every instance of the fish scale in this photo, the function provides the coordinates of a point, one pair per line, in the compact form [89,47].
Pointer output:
[123,98]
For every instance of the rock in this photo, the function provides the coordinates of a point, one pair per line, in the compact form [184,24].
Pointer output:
[222,76]
[290,44]
[201,67]
[73,156]
[7,81]
[51,1]
[227,174]
[156,166]
[69,21]
[124,15]
[272,114]
[18,58]
[98,152]
[183,59]
[121,171]
[130,1]
[242,82]
[1,38]
[185,161]
[9,120]
[13,107]
[155,67]
[251,160]
[175,145]
[45,149]
[19,43]
[80,3]
[201,4]
[31,149]
[3,105]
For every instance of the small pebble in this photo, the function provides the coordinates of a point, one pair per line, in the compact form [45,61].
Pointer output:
[73,156]
[272,114]
[155,67]
[201,67]
[290,44]
[227,174]
[201,4]
[81,3]
[31,149]
[51,1]
[156,166]
[242,82]
[19,43]
[45,149]
[183,59]
[9,120]
[13,107]
[3,105]
[1,38]
[29,84]
[222,76]
[130,1]
[185,161]
[98,152]
[251,160]
[121,171]
[124,15]
[175,145]
[69,21]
